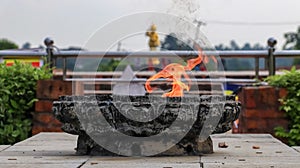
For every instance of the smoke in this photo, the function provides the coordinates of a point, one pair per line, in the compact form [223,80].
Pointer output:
[186,9]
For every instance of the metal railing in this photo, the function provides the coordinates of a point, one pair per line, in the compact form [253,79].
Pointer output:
[162,54]
[52,55]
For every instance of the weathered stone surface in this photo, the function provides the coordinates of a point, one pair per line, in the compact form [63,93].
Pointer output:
[145,116]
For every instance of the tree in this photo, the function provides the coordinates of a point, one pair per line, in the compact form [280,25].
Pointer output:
[292,40]
[236,63]
[6,44]
[257,46]
[292,43]
[171,42]
[26,45]
[234,45]
[247,46]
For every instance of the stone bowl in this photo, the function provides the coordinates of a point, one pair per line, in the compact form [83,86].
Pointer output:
[145,116]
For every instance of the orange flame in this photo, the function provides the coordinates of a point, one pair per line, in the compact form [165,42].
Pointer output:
[174,72]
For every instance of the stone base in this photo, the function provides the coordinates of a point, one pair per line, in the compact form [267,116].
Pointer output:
[196,148]
[87,146]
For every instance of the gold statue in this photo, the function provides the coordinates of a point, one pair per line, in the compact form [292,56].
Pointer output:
[153,44]
[153,38]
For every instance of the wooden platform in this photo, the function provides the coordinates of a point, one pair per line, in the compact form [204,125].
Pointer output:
[57,150]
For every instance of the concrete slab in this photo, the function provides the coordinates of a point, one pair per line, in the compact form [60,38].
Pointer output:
[43,150]
[57,150]
[3,147]
[51,138]
[250,165]
[146,165]
[251,160]
[42,159]
[240,152]
[49,147]
[38,153]
[127,160]
[44,144]
[297,148]
[137,162]
[33,165]
[244,144]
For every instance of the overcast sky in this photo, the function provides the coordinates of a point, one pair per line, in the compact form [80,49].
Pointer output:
[73,22]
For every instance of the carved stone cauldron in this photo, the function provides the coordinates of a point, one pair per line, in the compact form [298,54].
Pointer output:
[99,116]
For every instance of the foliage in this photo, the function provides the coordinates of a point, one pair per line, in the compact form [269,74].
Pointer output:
[292,42]
[26,45]
[6,44]
[235,64]
[112,65]
[234,46]
[171,42]
[290,104]
[17,96]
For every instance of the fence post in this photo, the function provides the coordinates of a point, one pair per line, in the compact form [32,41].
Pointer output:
[49,49]
[64,68]
[257,67]
[271,58]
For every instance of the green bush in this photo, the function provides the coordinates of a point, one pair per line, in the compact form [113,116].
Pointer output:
[290,104]
[17,96]
[112,65]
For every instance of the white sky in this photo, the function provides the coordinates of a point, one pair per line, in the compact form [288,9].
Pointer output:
[72,22]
